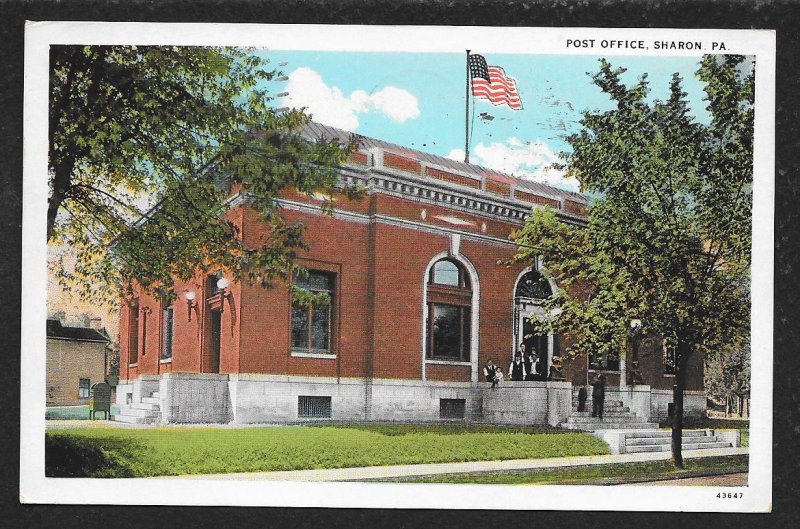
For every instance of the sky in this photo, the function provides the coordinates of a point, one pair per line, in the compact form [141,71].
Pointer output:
[417,100]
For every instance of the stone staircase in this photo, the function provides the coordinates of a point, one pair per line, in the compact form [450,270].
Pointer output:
[660,441]
[626,432]
[148,411]
[616,416]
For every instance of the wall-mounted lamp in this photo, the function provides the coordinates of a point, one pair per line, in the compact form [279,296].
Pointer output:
[190,303]
[636,324]
[222,287]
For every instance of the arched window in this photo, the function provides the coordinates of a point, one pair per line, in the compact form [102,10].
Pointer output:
[533,285]
[450,273]
[449,298]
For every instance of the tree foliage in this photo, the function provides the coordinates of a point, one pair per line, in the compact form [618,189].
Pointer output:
[727,375]
[165,131]
[668,239]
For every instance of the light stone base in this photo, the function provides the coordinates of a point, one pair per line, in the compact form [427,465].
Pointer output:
[273,399]
[526,403]
[694,404]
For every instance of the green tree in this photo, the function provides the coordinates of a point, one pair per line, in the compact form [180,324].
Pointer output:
[727,375]
[668,236]
[165,131]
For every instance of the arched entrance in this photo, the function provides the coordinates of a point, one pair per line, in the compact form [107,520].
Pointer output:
[530,290]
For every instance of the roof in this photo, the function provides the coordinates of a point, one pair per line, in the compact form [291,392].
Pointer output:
[81,334]
[317,131]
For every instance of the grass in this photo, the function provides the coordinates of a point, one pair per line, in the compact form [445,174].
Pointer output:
[600,474]
[73,413]
[112,452]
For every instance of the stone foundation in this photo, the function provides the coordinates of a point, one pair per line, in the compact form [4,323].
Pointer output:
[526,403]
[276,399]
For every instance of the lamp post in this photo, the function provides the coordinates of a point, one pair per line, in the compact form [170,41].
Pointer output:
[635,334]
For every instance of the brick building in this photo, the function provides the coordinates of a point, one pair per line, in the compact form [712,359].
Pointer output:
[76,359]
[419,302]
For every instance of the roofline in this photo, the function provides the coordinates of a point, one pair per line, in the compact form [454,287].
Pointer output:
[64,338]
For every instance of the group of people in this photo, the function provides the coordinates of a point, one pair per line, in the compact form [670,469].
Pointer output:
[523,367]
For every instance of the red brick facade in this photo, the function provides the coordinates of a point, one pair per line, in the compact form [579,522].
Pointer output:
[379,250]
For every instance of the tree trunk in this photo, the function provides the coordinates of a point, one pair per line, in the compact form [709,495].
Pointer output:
[62,178]
[677,398]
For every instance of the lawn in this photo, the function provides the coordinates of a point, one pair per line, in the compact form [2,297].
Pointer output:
[112,452]
[600,474]
[73,412]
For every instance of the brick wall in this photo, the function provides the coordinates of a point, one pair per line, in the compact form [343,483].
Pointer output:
[452,177]
[68,361]
[536,199]
[378,310]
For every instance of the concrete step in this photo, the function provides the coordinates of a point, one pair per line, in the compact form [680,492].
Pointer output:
[589,427]
[638,441]
[667,447]
[151,400]
[606,413]
[588,406]
[668,434]
[128,419]
[606,419]
[140,412]
[145,406]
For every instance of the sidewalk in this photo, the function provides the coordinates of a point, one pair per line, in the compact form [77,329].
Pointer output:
[404,471]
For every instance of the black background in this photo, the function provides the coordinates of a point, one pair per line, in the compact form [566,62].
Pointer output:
[784,16]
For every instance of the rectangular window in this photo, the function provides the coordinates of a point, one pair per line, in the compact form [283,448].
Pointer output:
[166,344]
[452,408]
[314,407]
[448,332]
[84,386]
[312,324]
[133,334]
[604,362]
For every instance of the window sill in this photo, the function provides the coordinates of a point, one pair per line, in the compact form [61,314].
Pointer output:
[670,375]
[612,371]
[135,364]
[447,362]
[301,354]
[165,361]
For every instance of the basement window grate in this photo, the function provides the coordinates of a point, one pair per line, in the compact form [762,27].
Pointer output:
[313,407]
[452,408]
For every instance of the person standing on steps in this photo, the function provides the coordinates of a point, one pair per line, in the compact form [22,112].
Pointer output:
[598,395]
[530,366]
[490,372]
[517,368]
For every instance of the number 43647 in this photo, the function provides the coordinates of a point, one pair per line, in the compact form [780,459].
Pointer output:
[730,495]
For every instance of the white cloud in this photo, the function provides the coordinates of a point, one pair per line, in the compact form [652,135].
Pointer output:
[524,159]
[330,106]
[456,154]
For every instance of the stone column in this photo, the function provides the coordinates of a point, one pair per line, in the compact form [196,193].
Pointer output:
[623,371]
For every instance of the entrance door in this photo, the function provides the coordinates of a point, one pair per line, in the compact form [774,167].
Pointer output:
[212,365]
[536,343]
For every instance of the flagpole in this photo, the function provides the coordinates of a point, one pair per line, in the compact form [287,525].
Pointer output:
[466,115]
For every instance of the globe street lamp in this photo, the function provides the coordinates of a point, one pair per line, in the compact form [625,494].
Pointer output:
[635,334]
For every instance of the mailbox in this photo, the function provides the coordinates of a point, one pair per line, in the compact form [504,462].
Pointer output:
[100,400]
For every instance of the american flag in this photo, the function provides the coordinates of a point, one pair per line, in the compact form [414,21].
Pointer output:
[491,82]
